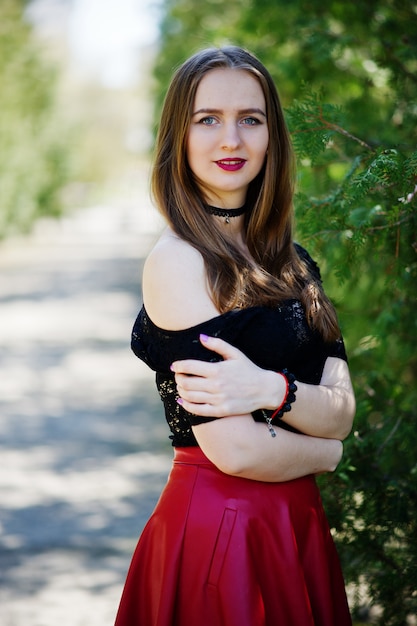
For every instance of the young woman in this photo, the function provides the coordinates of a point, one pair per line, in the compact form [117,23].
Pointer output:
[249,364]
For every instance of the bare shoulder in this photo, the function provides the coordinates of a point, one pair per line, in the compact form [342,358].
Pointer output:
[174,284]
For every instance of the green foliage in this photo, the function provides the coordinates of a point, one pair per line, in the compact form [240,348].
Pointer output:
[356,209]
[365,228]
[33,156]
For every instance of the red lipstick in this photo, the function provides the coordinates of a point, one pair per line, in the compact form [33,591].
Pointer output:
[231,165]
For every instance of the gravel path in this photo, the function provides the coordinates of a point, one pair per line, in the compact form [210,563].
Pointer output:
[83,447]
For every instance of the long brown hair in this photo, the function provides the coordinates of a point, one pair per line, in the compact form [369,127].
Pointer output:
[278,272]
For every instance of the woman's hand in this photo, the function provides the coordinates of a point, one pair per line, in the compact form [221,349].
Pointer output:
[233,386]
[236,386]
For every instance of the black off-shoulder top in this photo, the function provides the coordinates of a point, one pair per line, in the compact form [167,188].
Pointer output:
[272,337]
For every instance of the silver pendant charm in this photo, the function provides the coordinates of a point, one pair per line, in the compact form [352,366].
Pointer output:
[268,423]
[271,430]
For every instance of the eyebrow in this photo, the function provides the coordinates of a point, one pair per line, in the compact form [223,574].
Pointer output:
[240,112]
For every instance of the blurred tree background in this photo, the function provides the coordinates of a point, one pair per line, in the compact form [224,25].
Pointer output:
[67,140]
[347,75]
[34,157]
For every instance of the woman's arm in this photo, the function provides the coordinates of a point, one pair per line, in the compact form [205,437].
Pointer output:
[242,447]
[236,385]
[327,409]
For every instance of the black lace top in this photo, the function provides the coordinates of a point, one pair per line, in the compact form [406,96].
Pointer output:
[273,338]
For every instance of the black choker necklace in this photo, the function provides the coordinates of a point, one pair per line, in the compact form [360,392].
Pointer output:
[226,213]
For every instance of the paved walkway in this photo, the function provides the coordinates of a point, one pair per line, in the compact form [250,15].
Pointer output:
[83,448]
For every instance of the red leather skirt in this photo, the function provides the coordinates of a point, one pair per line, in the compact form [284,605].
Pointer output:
[225,551]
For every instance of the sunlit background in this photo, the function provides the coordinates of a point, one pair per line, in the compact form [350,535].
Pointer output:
[104,40]
[79,416]
[104,50]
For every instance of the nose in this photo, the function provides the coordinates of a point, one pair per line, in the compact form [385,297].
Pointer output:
[231,137]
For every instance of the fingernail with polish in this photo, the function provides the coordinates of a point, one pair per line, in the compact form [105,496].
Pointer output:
[180,401]
[203,337]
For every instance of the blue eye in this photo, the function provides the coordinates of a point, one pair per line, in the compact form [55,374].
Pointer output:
[208,121]
[250,121]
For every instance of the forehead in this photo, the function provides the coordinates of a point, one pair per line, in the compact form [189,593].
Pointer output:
[229,88]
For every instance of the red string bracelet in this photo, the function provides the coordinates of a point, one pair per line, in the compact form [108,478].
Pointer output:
[289,397]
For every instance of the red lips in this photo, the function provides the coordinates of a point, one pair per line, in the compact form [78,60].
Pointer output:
[231,165]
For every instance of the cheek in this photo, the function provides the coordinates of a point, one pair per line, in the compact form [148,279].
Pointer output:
[265,143]
[262,150]
[192,142]
[197,147]
[259,143]
[194,154]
